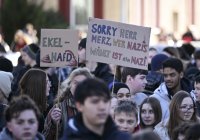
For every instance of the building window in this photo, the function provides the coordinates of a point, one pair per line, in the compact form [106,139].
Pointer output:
[80,11]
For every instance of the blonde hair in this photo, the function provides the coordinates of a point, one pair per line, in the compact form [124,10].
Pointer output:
[65,86]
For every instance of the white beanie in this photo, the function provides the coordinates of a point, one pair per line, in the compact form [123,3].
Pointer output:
[5,82]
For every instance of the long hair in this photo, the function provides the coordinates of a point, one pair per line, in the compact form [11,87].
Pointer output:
[155,104]
[33,83]
[175,119]
[64,91]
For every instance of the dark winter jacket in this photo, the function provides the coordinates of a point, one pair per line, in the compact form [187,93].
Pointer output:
[76,130]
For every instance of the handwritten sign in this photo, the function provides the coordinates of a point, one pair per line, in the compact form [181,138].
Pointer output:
[117,43]
[59,47]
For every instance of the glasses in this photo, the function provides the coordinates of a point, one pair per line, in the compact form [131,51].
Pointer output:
[122,95]
[186,108]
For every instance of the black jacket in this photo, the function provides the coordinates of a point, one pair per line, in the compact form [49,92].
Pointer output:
[76,130]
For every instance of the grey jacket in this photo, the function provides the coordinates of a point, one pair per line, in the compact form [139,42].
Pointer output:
[6,135]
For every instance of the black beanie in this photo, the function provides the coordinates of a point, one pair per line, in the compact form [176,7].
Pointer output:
[31,50]
[117,86]
[157,60]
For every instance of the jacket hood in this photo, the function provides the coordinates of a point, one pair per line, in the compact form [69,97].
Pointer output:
[77,130]
[162,91]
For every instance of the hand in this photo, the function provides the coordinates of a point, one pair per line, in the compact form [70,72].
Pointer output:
[56,115]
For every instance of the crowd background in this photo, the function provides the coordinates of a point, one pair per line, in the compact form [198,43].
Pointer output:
[95,100]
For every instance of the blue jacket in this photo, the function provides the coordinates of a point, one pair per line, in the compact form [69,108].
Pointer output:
[76,130]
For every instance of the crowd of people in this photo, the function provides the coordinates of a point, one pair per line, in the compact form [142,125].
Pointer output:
[94,102]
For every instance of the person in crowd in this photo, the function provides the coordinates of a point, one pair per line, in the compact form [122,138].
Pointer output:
[5,64]
[182,109]
[191,73]
[29,59]
[100,70]
[179,131]
[35,83]
[92,98]
[150,113]
[22,120]
[155,76]
[145,135]
[197,94]
[174,81]
[135,79]
[126,116]
[120,91]
[192,132]
[21,39]
[171,52]
[5,89]
[64,107]
[186,51]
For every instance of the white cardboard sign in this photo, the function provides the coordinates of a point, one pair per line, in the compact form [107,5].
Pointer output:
[59,48]
[118,43]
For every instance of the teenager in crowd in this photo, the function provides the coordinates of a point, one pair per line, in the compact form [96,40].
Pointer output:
[150,113]
[120,90]
[126,116]
[35,83]
[64,107]
[135,79]
[92,98]
[174,81]
[22,120]
[182,109]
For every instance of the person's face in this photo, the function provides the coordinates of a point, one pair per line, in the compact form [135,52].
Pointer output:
[138,83]
[82,55]
[147,114]
[126,121]
[25,126]
[123,94]
[186,109]
[172,77]
[95,110]
[197,91]
[75,81]
[113,105]
[27,60]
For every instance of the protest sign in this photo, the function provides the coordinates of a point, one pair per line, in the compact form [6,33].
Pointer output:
[118,43]
[59,47]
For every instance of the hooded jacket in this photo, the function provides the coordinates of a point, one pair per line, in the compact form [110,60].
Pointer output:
[6,135]
[163,94]
[76,130]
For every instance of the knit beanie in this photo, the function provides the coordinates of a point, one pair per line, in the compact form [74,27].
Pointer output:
[117,86]
[6,64]
[31,50]
[5,82]
[157,60]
